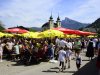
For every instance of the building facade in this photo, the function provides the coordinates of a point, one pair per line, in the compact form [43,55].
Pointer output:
[51,24]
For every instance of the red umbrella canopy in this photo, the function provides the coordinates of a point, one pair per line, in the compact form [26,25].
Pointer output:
[84,33]
[16,30]
[71,31]
[65,30]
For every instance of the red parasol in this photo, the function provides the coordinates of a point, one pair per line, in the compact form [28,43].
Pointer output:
[71,31]
[78,32]
[65,30]
[16,30]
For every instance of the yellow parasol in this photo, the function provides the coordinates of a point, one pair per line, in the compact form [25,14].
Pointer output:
[8,35]
[31,35]
[1,34]
[92,36]
[51,33]
[71,36]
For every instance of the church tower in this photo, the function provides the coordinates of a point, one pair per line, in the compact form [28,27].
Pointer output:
[51,23]
[58,22]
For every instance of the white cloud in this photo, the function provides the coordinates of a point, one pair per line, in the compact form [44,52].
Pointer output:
[36,12]
[27,12]
[88,12]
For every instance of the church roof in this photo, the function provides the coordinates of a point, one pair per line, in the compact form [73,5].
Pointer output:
[51,17]
[47,24]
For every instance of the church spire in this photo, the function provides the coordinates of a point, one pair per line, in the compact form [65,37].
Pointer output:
[51,16]
[58,17]
[51,23]
[58,21]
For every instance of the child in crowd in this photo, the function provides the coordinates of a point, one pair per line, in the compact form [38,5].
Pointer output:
[17,50]
[61,58]
[78,60]
[68,56]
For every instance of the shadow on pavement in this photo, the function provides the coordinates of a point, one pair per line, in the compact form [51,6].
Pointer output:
[49,71]
[69,71]
[58,71]
[88,69]
[85,60]
[55,68]
[19,63]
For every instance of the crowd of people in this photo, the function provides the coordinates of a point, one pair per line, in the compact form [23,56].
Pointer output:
[29,51]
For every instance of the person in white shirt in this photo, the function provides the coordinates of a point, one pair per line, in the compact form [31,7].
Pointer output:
[95,41]
[69,44]
[57,41]
[1,51]
[10,45]
[16,48]
[61,58]
[68,56]
[78,60]
[62,43]
[17,51]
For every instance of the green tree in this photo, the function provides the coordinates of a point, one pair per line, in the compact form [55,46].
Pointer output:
[1,26]
[32,30]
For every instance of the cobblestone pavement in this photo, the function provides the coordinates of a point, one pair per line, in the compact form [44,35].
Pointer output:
[44,68]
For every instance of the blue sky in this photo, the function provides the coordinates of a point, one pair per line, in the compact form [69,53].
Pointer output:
[34,13]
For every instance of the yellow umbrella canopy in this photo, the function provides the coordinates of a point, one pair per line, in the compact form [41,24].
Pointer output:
[36,35]
[8,35]
[51,33]
[74,36]
[71,36]
[78,36]
[67,36]
[31,35]
[1,34]
[92,36]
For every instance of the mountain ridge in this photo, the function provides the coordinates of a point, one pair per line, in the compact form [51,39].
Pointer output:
[72,24]
[93,27]
[66,23]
